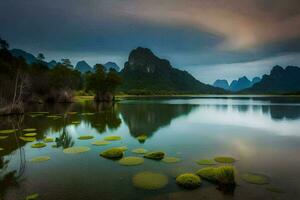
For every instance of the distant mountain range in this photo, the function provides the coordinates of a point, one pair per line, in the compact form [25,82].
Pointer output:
[83,67]
[236,85]
[144,71]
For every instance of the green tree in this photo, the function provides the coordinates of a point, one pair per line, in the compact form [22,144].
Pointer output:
[40,57]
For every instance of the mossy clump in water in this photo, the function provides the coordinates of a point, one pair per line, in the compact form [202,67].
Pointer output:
[85,137]
[113,153]
[254,178]
[48,140]
[38,145]
[206,162]
[131,160]
[112,138]
[27,139]
[139,151]
[142,138]
[171,160]
[3,137]
[149,180]
[155,155]
[30,134]
[188,181]
[40,159]
[34,196]
[76,150]
[7,131]
[100,143]
[224,159]
[224,175]
[29,129]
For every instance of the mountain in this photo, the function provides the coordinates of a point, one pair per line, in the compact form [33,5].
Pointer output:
[255,80]
[279,81]
[83,67]
[221,84]
[28,57]
[144,71]
[112,65]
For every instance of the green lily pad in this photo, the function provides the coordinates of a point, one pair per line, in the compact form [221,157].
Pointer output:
[40,159]
[224,159]
[75,150]
[48,140]
[100,143]
[38,145]
[142,138]
[29,129]
[54,117]
[113,153]
[112,138]
[206,162]
[139,151]
[254,178]
[275,189]
[150,180]
[30,134]
[75,122]
[71,113]
[32,196]
[131,160]
[188,181]
[88,114]
[36,115]
[155,155]
[171,159]
[7,131]
[3,137]
[85,137]
[123,148]
[1,149]
[28,139]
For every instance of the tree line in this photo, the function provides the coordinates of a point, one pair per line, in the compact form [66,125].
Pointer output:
[22,83]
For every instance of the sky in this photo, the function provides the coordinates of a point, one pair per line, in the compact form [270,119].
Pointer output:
[212,39]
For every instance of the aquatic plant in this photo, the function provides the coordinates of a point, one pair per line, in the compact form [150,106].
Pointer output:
[171,160]
[3,137]
[149,180]
[112,138]
[88,114]
[123,148]
[75,122]
[206,162]
[155,155]
[38,145]
[188,181]
[71,113]
[131,160]
[29,129]
[32,196]
[36,115]
[100,143]
[30,134]
[40,159]
[76,150]
[254,178]
[85,137]
[113,153]
[1,149]
[224,159]
[139,151]
[274,189]
[27,139]
[40,113]
[142,138]
[224,175]
[7,131]
[48,139]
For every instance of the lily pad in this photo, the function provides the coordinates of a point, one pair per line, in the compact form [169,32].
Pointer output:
[76,150]
[155,155]
[85,137]
[40,159]
[75,122]
[112,138]
[88,114]
[7,131]
[38,145]
[3,137]
[30,134]
[27,139]
[254,178]
[142,138]
[188,181]
[171,160]
[48,140]
[113,153]
[29,129]
[139,151]
[36,115]
[150,180]
[224,159]
[32,196]
[224,175]
[123,148]
[71,113]
[131,160]
[100,143]
[274,189]
[206,162]
[1,149]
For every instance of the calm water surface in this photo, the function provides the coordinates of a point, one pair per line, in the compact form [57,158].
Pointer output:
[263,134]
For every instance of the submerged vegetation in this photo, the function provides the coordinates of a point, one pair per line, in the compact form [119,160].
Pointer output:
[150,180]
[254,178]
[131,160]
[188,181]
[76,150]
[40,159]
[224,159]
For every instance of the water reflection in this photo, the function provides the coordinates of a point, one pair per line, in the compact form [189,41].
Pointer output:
[64,140]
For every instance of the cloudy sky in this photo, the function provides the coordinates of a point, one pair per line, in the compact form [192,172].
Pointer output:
[209,38]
